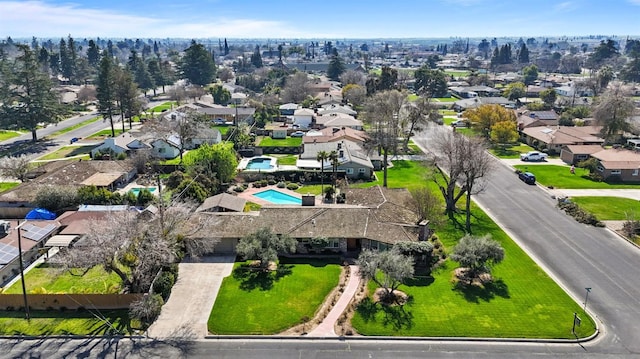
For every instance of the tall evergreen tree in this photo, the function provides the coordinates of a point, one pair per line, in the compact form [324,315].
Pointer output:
[106,90]
[126,93]
[226,47]
[66,65]
[523,55]
[256,57]
[336,66]
[93,54]
[197,66]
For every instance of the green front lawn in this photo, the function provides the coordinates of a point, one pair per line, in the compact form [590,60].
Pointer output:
[284,142]
[6,135]
[403,174]
[446,99]
[66,323]
[44,279]
[511,151]
[287,160]
[522,301]
[257,302]
[609,208]
[223,129]
[5,186]
[74,127]
[560,177]
[315,189]
[162,107]
[68,151]
[104,133]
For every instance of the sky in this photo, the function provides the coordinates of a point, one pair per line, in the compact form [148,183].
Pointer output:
[333,19]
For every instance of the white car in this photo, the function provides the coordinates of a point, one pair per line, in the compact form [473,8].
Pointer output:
[459,123]
[533,156]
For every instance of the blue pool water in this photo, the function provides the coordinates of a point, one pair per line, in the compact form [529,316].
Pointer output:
[277,197]
[260,163]
[137,190]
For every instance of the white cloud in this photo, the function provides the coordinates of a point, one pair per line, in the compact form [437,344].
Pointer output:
[566,6]
[37,18]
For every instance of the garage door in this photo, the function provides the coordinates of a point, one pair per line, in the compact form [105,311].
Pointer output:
[226,245]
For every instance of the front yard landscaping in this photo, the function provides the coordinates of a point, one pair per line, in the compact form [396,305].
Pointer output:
[511,151]
[51,322]
[6,135]
[101,135]
[45,279]
[609,208]
[253,301]
[69,151]
[560,177]
[284,142]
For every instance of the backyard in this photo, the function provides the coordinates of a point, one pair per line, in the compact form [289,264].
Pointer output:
[284,142]
[253,301]
[560,177]
[45,279]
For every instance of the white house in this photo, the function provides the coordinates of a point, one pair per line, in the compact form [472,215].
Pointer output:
[303,117]
[166,148]
[120,144]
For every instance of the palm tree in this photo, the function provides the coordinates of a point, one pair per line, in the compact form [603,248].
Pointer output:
[321,157]
[333,157]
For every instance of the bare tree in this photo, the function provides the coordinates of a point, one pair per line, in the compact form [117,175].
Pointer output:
[178,93]
[225,74]
[613,110]
[186,125]
[383,111]
[467,163]
[426,205]
[15,167]
[353,77]
[136,248]
[296,88]
[419,113]
[87,93]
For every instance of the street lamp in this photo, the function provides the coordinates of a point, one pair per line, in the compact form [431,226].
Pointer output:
[24,290]
[586,298]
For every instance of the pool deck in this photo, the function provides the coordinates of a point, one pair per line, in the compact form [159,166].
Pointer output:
[248,194]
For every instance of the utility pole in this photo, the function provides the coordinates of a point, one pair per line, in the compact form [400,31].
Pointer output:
[24,290]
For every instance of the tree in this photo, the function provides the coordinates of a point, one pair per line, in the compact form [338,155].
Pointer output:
[296,88]
[419,113]
[484,117]
[515,91]
[93,54]
[387,81]
[321,157]
[106,90]
[352,77]
[220,95]
[530,74]
[430,83]
[334,159]
[336,67]
[197,66]
[265,245]
[549,96]
[504,132]
[631,71]
[216,161]
[612,111]
[523,54]
[421,251]
[477,254]
[354,94]
[605,51]
[388,269]
[15,167]
[256,58]
[382,111]
[426,205]
[126,94]
[137,248]
[459,160]
[30,100]
[56,198]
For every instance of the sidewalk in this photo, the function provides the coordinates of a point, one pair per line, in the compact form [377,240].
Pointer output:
[326,328]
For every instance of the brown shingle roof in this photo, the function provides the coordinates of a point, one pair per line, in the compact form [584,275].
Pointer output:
[223,200]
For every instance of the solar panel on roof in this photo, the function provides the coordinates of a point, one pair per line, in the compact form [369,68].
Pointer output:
[36,233]
[7,253]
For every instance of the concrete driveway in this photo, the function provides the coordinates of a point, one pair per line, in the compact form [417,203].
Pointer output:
[186,312]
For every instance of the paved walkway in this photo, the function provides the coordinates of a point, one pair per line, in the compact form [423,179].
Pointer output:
[624,193]
[186,312]
[550,161]
[325,329]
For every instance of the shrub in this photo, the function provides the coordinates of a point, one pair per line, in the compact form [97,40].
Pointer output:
[579,214]
[238,189]
[281,185]
[121,156]
[293,186]
[164,283]
[147,309]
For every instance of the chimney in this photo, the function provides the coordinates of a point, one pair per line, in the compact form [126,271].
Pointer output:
[424,231]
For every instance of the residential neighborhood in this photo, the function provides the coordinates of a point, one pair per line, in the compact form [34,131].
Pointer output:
[191,190]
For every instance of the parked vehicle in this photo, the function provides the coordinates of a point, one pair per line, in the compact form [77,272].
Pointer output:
[533,156]
[297,134]
[527,177]
[459,123]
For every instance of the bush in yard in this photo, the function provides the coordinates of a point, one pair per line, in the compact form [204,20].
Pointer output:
[147,309]
[579,214]
[292,186]
[281,185]
[164,283]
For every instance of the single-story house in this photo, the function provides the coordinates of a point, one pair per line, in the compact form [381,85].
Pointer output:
[333,108]
[288,109]
[619,165]
[229,114]
[554,138]
[572,154]
[469,103]
[374,218]
[537,119]
[333,134]
[222,202]
[123,143]
[353,160]
[474,91]
[338,120]
[166,148]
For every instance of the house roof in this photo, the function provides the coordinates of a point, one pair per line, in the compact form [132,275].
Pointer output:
[584,149]
[335,108]
[478,101]
[351,153]
[289,106]
[332,134]
[102,179]
[337,120]
[377,222]
[565,135]
[303,112]
[227,111]
[223,200]
[618,158]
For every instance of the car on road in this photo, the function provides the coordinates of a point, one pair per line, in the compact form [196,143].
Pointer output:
[459,123]
[527,177]
[297,134]
[533,156]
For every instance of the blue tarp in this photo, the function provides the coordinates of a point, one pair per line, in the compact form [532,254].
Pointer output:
[40,213]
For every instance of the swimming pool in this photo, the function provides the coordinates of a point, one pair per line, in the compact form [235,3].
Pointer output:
[277,197]
[259,163]
[137,190]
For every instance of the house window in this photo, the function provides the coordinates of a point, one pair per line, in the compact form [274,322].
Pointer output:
[162,150]
[349,171]
[362,170]
[635,172]
[616,172]
[600,168]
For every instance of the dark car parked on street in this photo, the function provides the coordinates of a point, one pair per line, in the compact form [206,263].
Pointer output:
[527,177]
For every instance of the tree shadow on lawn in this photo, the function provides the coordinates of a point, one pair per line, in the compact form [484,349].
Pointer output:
[251,278]
[419,281]
[474,293]
[395,316]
